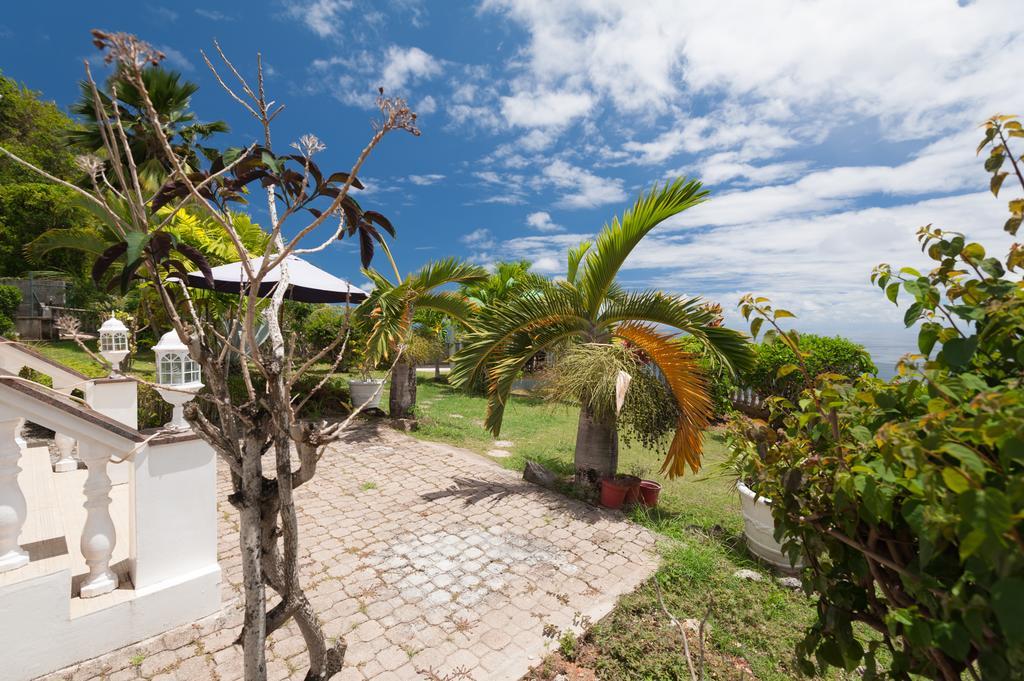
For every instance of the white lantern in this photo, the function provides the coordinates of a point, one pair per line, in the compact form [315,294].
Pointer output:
[114,342]
[179,373]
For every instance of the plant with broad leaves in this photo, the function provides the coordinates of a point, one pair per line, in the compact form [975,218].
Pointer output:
[906,497]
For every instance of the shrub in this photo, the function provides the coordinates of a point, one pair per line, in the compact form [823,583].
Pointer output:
[10,299]
[824,354]
[907,496]
[323,325]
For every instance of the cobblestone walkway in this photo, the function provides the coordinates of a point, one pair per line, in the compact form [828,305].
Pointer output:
[426,558]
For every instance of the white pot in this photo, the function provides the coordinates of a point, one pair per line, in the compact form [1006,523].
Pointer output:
[759,529]
[361,391]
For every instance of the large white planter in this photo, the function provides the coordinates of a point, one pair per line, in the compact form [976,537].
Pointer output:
[759,529]
[361,391]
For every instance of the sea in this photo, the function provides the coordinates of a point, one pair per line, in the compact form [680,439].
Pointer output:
[885,352]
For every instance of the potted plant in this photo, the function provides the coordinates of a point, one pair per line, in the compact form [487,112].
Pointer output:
[366,389]
[748,440]
[647,491]
[616,490]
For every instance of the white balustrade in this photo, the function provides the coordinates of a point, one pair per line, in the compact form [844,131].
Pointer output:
[66,447]
[98,535]
[12,501]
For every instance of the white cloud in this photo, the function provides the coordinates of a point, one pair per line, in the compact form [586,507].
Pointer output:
[323,17]
[358,76]
[728,166]
[427,105]
[817,266]
[919,64]
[541,221]
[946,166]
[405,65]
[580,188]
[424,180]
[213,15]
[479,238]
[545,108]
[176,58]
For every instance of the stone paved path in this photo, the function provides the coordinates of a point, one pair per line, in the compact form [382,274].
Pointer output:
[425,558]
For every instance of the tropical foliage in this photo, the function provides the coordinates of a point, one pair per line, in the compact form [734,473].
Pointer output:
[170,96]
[509,278]
[590,307]
[907,496]
[10,299]
[36,132]
[389,314]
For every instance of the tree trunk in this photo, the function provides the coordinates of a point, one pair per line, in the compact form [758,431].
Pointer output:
[254,626]
[597,449]
[437,369]
[403,390]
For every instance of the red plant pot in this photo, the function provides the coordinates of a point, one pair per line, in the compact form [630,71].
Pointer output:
[613,493]
[620,489]
[649,491]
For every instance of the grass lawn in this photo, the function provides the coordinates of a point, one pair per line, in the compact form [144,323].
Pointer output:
[68,353]
[753,625]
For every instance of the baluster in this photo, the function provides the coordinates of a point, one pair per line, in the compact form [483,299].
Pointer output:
[65,445]
[12,502]
[98,535]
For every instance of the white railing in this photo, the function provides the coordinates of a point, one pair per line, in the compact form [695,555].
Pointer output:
[167,517]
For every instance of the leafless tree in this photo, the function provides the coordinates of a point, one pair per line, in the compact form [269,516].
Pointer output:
[269,450]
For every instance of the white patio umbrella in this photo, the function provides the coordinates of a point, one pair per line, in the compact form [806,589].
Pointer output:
[307,283]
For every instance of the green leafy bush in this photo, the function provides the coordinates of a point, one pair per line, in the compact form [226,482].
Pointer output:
[323,325]
[10,299]
[824,354]
[907,496]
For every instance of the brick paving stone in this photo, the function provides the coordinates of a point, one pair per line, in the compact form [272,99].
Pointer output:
[414,583]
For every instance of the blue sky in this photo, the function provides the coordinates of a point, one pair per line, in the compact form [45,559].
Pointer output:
[828,131]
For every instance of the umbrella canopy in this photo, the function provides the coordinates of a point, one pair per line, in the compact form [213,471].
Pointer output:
[307,283]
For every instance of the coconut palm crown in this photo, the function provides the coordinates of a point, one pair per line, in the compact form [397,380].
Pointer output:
[590,307]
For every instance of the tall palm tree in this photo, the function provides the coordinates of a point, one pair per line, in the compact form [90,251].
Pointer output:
[171,98]
[389,311]
[589,307]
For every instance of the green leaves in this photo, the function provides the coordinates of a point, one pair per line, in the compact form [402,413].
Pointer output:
[958,352]
[1008,604]
[911,495]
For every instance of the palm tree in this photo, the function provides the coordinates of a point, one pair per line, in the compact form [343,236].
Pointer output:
[389,311]
[589,307]
[170,97]
[509,278]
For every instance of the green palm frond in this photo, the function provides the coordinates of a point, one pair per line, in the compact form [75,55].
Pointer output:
[575,257]
[449,303]
[618,239]
[516,352]
[499,327]
[689,315]
[442,272]
[90,240]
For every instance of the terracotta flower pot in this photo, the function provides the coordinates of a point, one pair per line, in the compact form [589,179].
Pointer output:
[613,494]
[616,491]
[649,491]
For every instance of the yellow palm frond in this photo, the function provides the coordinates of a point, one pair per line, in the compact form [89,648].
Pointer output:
[685,380]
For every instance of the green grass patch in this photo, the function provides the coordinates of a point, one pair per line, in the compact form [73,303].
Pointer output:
[69,354]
